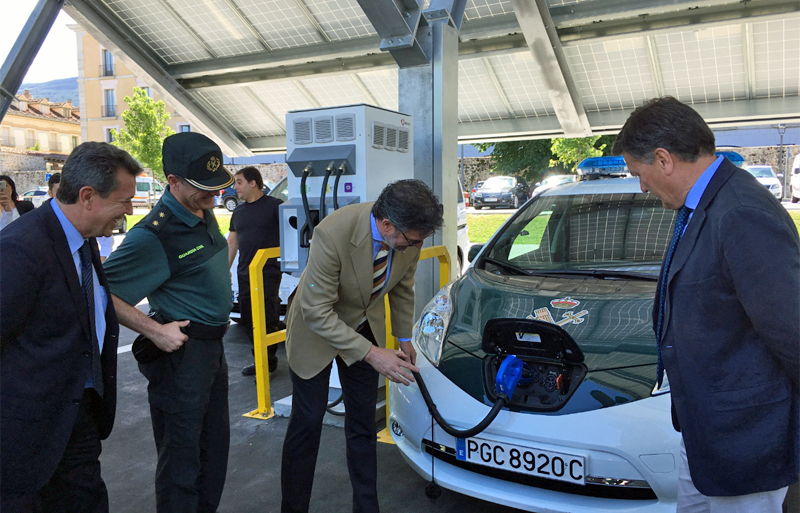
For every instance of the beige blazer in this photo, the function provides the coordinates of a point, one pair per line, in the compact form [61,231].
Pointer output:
[332,297]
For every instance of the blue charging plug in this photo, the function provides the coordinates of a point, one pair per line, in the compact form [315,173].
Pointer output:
[508,375]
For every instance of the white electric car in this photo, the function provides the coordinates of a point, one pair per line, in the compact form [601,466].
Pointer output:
[565,286]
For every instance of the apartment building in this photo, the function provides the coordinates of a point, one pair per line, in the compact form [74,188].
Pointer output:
[53,127]
[103,82]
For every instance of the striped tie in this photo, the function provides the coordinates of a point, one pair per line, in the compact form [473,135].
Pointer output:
[379,270]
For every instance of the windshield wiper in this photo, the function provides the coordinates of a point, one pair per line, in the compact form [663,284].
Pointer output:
[508,266]
[600,274]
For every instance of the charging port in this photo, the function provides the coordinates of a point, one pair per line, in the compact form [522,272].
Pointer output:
[552,363]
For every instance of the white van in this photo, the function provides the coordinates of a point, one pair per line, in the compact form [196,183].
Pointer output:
[147,187]
[795,184]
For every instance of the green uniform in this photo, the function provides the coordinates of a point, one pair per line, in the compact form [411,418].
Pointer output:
[178,261]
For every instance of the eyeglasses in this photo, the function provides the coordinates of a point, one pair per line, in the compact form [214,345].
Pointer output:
[411,242]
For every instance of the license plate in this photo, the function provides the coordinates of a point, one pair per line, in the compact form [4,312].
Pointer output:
[525,460]
[491,199]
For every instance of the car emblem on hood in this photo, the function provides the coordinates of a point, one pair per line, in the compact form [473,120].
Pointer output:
[566,303]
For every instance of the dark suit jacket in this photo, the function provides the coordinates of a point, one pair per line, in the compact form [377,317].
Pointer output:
[23,206]
[45,350]
[731,338]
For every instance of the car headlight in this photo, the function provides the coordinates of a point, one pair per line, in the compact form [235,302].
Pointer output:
[478,194]
[775,186]
[430,330]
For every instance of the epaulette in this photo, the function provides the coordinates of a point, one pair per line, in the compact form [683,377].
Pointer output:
[157,218]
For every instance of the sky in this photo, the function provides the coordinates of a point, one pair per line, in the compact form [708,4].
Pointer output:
[58,56]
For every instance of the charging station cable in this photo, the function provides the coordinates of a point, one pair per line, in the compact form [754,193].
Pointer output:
[322,207]
[339,173]
[508,376]
[307,232]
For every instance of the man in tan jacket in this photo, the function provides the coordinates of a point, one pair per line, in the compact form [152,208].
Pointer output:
[359,254]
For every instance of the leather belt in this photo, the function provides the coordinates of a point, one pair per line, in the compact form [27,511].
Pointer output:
[195,329]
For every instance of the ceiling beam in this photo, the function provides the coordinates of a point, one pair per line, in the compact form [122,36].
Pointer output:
[305,92]
[311,19]
[717,115]
[254,31]
[545,47]
[361,87]
[749,60]
[707,16]
[655,64]
[264,108]
[188,28]
[498,87]
[109,31]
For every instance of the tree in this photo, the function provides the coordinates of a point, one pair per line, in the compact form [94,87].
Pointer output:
[145,131]
[572,151]
[527,158]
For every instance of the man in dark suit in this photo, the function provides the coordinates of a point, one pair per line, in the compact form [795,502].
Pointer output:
[726,314]
[58,338]
[359,255]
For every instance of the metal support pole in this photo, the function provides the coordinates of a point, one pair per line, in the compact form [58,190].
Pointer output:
[430,94]
[25,49]
[782,130]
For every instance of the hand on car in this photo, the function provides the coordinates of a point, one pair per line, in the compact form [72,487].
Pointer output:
[170,337]
[410,352]
[392,364]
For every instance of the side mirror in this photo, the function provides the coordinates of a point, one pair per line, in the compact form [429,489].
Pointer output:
[538,184]
[780,176]
[473,251]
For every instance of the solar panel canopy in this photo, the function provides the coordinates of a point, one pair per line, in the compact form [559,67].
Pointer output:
[235,67]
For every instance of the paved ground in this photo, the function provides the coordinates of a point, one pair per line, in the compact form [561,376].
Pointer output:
[253,483]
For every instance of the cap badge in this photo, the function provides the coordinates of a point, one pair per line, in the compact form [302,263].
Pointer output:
[213,164]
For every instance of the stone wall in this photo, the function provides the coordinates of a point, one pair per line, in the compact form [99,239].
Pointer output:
[475,169]
[20,162]
[27,180]
[270,172]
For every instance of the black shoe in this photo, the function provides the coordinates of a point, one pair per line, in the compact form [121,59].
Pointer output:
[250,370]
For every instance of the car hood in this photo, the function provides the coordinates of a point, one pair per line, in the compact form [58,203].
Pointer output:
[610,320]
[768,180]
[495,190]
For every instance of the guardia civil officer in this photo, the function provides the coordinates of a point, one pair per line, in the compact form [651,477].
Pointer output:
[178,259]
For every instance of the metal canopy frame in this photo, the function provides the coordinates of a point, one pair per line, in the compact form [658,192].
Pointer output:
[27,45]
[519,43]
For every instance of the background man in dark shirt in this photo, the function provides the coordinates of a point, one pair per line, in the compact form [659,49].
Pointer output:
[254,226]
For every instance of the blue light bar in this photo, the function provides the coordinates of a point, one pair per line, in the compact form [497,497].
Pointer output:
[602,166]
[733,156]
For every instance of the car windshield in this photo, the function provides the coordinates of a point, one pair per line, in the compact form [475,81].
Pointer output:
[497,183]
[584,234]
[557,180]
[761,171]
[280,191]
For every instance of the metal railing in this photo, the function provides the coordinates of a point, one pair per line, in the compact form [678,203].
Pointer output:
[55,146]
[106,71]
[261,339]
[109,111]
[30,143]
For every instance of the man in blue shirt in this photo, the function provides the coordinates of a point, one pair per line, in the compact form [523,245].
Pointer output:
[58,338]
[726,314]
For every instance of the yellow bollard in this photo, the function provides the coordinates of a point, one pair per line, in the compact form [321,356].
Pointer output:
[260,337]
[440,252]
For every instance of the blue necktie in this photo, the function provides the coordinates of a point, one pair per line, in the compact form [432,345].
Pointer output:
[87,284]
[680,224]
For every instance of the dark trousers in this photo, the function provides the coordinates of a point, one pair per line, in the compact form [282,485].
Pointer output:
[76,485]
[188,393]
[300,448]
[272,310]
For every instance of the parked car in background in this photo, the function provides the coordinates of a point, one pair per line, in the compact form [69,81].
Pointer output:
[501,191]
[553,181]
[475,187]
[36,196]
[230,200]
[566,285]
[795,183]
[765,174]
[462,240]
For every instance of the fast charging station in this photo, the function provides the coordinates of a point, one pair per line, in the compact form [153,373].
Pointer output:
[338,156]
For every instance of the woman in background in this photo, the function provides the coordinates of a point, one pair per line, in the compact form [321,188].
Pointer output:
[12,206]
